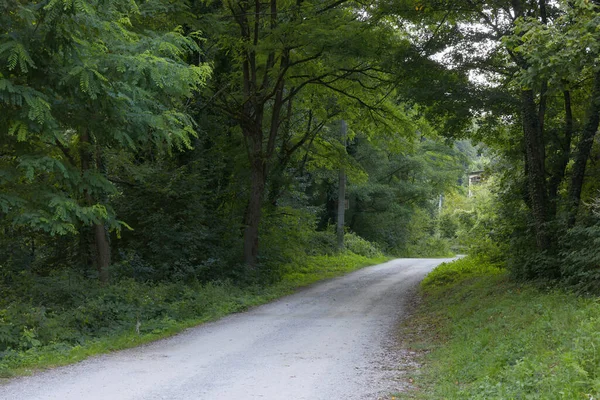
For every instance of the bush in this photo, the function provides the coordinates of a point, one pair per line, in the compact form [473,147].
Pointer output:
[429,246]
[322,242]
[449,225]
[360,246]
[287,233]
[581,258]
[451,272]
[85,318]
[116,308]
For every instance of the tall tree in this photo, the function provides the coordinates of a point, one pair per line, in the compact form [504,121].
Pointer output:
[528,59]
[272,52]
[77,78]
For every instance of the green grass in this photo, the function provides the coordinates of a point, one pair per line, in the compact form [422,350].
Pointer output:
[447,273]
[46,338]
[480,335]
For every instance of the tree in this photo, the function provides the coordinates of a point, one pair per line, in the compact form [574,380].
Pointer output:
[269,54]
[527,53]
[77,78]
[563,54]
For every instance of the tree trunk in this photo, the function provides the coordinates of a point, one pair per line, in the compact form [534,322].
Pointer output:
[102,247]
[254,144]
[584,148]
[100,251]
[536,174]
[341,209]
[564,150]
[86,250]
[253,212]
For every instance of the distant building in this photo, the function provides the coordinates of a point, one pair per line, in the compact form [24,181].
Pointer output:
[475,178]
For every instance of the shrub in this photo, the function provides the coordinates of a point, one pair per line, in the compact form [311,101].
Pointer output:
[322,242]
[429,246]
[96,319]
[360,246]
[451,272]
[581,258]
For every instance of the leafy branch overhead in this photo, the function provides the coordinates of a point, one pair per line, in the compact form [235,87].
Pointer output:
[76,76]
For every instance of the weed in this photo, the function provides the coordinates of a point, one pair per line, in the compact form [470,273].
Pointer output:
[487,337]
[129,313]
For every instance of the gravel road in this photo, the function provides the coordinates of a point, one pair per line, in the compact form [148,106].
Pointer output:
[333,340]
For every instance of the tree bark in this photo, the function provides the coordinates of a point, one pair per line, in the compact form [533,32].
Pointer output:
[584,148]
[258,172]
[101,237]
[253,216]
[251,122]
[564,149]
[536,174]
[102,252]
[283,157]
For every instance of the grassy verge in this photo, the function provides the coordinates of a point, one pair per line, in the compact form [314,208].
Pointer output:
[130,313]
[481,336]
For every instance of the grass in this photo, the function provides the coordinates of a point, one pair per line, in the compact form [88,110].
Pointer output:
[163,310]
[480,335]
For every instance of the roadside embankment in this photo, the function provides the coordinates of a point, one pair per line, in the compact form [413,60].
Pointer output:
[65,320]
[478,335]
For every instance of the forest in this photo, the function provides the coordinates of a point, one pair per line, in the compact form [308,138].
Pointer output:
[165,162]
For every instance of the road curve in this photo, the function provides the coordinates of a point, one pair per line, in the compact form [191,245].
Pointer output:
[330,341]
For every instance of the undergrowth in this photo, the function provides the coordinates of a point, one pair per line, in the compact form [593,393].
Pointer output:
[66,318]
[450,272]
[481,335]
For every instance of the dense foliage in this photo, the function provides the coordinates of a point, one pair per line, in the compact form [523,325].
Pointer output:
[534,100]
[68,318]
[171,147]
[161,159]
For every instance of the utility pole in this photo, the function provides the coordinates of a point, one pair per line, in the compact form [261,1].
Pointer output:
[341,196]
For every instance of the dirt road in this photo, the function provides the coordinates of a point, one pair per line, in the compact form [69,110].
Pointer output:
[333,340]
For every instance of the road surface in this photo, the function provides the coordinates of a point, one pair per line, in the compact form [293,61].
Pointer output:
[333,340]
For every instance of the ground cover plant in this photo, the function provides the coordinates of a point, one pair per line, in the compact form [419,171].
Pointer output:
[481,335]
[68,318]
